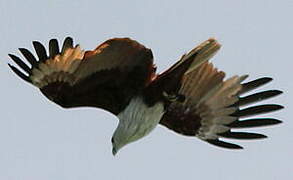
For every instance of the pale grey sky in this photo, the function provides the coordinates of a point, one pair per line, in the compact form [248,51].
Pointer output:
[40,140]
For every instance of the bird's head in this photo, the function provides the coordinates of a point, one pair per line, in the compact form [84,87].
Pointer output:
[119,139]
[136,121]
[127,133]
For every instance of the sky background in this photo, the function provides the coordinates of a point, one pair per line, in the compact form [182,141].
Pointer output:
[40,140]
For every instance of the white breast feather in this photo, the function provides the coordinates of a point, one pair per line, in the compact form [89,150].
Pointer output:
[138,119]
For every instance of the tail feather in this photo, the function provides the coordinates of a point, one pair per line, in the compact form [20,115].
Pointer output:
[204,51]
[200,54]
[171,80]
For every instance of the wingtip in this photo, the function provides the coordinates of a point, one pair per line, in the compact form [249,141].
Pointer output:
[269,78]
[53,47]
[266,79]
[255,110]
[36,43]
[278,107]
[223,144]
[277,92]
[53,39]
[67,43]
[14,58]
[248,86]
[11,55]
[242,135]
[277,121]
[19,73]
[40,50]
[69,38]
[11,67]
[252,123]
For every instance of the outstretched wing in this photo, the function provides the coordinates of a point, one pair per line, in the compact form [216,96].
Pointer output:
[213,108]
[106,77]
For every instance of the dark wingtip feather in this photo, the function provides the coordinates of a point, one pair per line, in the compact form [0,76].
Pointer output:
[29,56]
[250,123]
[242,135]
[277,92]
[68,43]
[19,73]
[258,97]
[53,48]
[20,63]
[254,84]
[257,110]
[223,144]
[40,50]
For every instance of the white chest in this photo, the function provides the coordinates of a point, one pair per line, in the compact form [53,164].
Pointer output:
[139,118]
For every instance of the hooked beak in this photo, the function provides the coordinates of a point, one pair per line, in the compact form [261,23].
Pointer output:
[114,151]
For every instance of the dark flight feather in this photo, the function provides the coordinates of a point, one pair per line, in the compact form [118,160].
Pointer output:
[223,144]
[68,43]
[258,97]
[40,50]
[241,135]
[29,57]
[254,84]
[20,74]
[250,123]
[20,63]
[53,48]
[250,111]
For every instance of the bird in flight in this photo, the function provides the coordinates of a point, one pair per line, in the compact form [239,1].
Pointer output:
[191,98]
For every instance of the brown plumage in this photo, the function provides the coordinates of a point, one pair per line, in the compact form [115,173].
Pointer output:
[74,78]
[197,100]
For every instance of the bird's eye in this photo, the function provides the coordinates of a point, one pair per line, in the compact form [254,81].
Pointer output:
[112,140]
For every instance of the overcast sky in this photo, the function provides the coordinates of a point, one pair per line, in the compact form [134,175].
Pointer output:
[41,141]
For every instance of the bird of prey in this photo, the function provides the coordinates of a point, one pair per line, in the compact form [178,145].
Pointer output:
[191,98]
